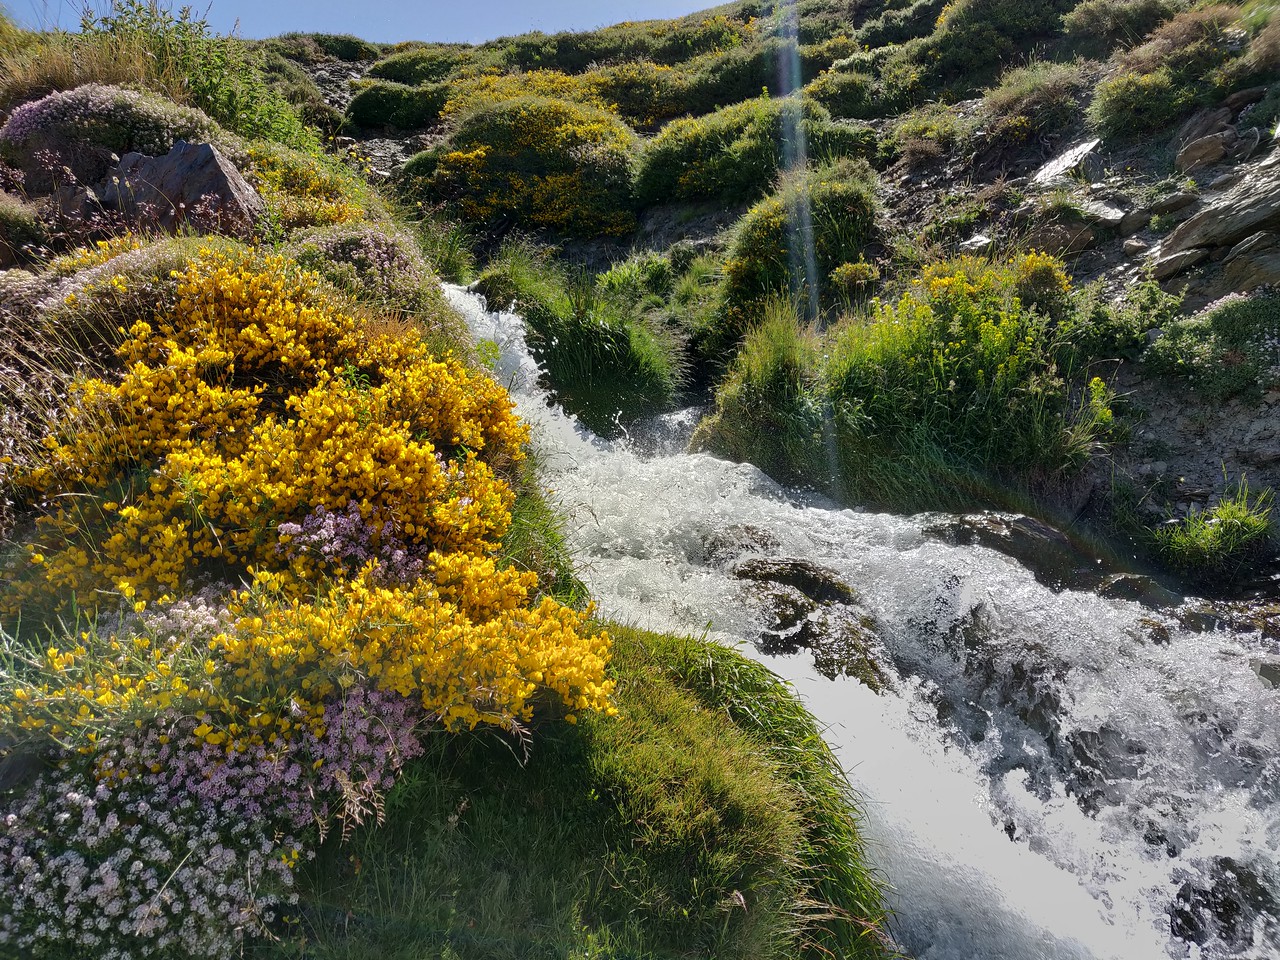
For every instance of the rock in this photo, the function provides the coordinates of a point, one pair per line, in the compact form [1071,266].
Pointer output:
[1134,221]
[1140,589]
[1173,265]
[1252,205]
[1174,201]
[978,243]
[736,541]
[193,183]
[1203,124]
[1053,557]
[815,582]
[1253,262]
[77,202]
[1133,247]
[1061,238]
[1102,214]
[844,643]
[1247,145]
[1067,163]
[1268,669]
[1227,179]
[1243,98]
[1204,151]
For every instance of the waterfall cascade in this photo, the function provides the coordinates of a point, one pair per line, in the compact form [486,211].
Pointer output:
[1048,773]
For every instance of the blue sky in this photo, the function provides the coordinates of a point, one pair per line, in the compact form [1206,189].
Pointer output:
[390,20]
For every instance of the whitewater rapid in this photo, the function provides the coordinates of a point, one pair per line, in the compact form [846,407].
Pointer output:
[1011,702]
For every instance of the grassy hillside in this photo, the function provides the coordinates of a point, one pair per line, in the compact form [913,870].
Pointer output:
[293,661]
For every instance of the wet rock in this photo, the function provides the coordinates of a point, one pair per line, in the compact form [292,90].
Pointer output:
[737,541]
[1080,156]
[1099,759]
[1205,151]
[814,581]
[1222,903]
[193,183]
[784,611]
[1174,264]
[1268,669]
[1253,262]
[1054,559]
[844,643]
[1138,588]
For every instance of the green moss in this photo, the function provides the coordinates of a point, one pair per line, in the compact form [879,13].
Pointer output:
[707,819]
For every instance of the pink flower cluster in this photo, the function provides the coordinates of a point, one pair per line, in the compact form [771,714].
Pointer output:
[348,542]
[167,841]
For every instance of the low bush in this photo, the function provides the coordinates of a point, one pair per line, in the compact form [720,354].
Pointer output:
[80,129]
[538,162]
[790,241]
[345,47]
[304,190]
[1216,545]
[381,266]
[605,366]
[429,64]
[974,38]
[488,89]
[929,131]
[143,44]
[768,409]
[844,93]
[1037,99]
[644,93]
[742,73]
[901,23]
[383,103]
[1131,105]
[1229,349]
[736,153]
[957,390]
[21,230]
[1107,24]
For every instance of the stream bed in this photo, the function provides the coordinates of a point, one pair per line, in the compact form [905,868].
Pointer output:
[1046,771]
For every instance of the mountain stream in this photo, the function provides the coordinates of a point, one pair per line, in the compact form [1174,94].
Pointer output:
[1045,773]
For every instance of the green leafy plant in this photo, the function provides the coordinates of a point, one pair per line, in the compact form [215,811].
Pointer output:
[1217,544]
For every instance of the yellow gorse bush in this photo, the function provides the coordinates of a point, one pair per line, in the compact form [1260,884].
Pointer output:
[465,642]
[250,405]
[302,191]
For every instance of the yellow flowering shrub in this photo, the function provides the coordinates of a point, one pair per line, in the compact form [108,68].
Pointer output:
[94,255]
[544,162]
[302,190]
[465,641]
[491,87]
[250,404]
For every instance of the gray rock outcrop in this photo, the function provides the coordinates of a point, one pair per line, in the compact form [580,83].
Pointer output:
[193,183]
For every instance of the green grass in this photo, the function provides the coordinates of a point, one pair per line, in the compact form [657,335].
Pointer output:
[1232,349]
[709,819]
[1216,545]
[605,364]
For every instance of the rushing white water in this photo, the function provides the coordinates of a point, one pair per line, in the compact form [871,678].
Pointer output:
[1053,774]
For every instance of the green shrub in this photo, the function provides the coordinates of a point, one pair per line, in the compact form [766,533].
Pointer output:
[957,380]
[975,37]
[605,367]
[345,47]
[383,103]
[1034,100]
[645,93]
[902,23]
[81,129]
[1230,349]
[768,411]
[216,74]
[20,230]
[1217,545]
[817,220]
[430,64]
[736,153]
[1117,23]
[742,73]
[930,130]
[538,162]
[844,93]
[1132,105]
